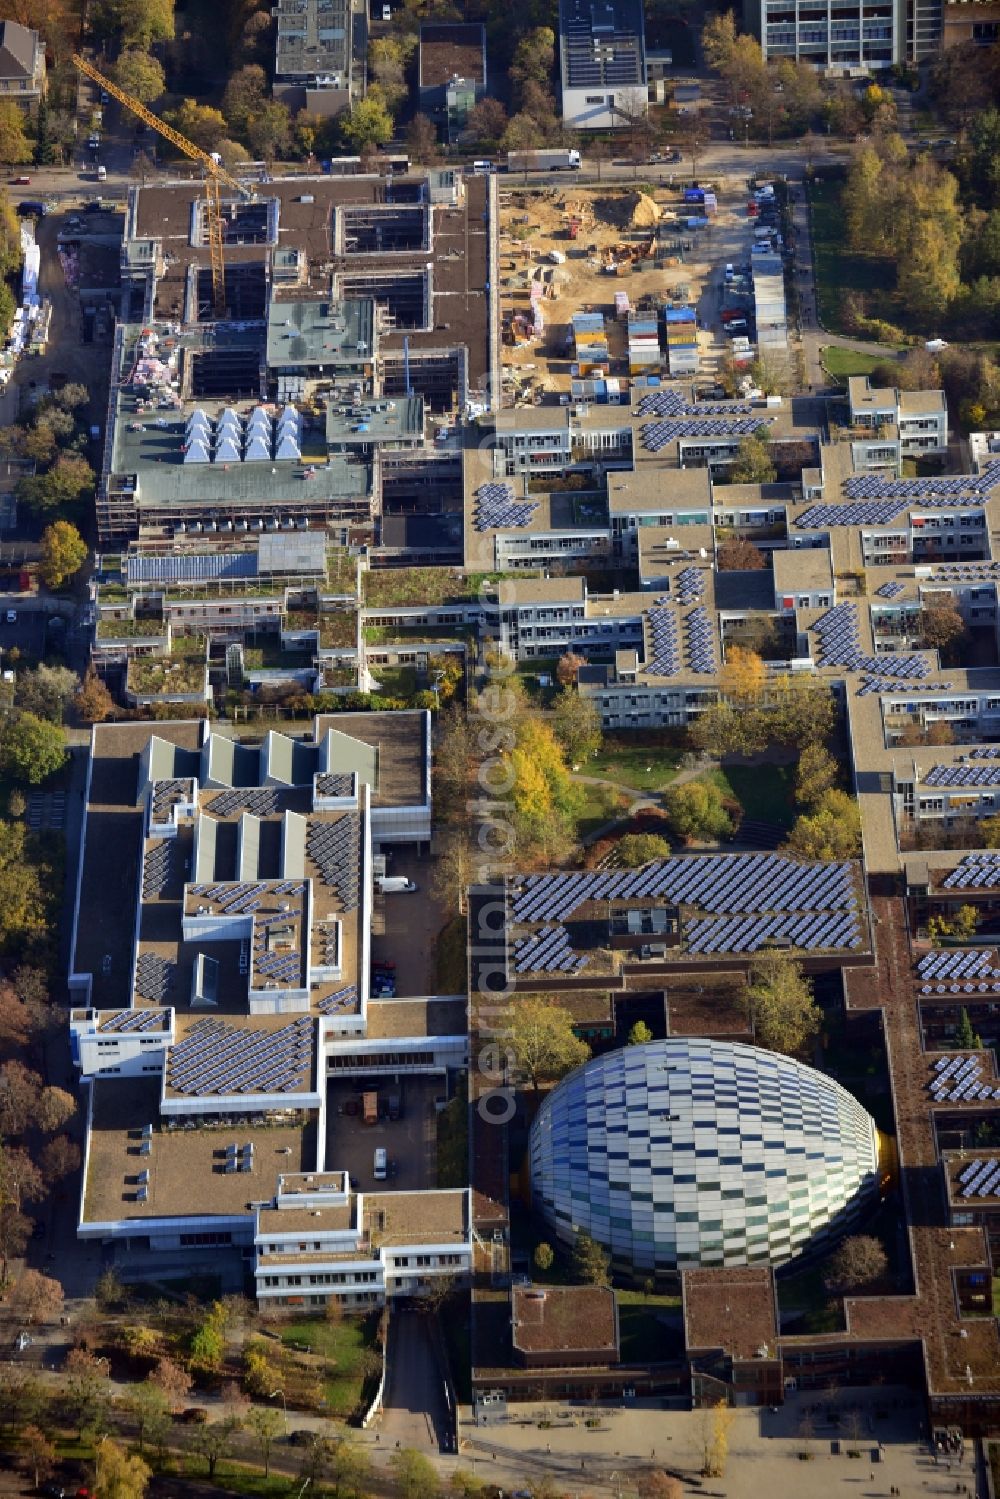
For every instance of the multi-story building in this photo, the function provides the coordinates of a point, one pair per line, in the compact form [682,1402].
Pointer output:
[451,74]
[602,63]
[22,64]
[840,36]
[318,54]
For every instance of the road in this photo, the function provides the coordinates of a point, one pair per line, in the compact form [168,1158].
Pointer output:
[415,1412]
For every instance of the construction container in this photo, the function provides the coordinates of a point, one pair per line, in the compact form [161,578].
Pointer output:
[621,305]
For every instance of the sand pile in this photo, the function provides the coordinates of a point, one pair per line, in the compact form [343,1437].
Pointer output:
[645,213]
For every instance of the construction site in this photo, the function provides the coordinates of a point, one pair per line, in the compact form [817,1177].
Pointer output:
[606,259]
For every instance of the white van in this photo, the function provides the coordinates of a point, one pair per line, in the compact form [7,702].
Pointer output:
[390,884]
[482,166]
[381,1169]
[102,174]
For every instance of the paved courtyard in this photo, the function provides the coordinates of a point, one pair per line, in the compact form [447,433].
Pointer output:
[764,1449]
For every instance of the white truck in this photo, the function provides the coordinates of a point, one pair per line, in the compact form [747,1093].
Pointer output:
[563,160]
[393,884]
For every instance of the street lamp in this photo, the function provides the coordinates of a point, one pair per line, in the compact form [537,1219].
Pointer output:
[616,1480]
[284,1404]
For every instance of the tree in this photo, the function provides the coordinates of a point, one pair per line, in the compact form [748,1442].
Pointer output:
[692,139]
[695,810]
[640,1034]
[23,904]
[38,1454]
[752,464]
[590,1262]
[743,676]
[36,1297]
[85,1379]
[783,1013]
[31,748]
[655,1484]
[207,1346]
[140,75]
[942,628]
[636,849]
[172,1379]
[60,1157]
[93,702]
[966,1038]
[422,139]
[815,774]
[716,1444]
[857,1261]
[19,1090]
[266,1424]
[534,59]
[832,830]
[486,123]
[15,1232]
[199,122]
[739,555]
[14,144]
[369,122]
[269,132]
[415,1474]
[541,1040]
[67,482]
[16,1023]
[350,1467]
[544,1257]
[577,722]
[568,668]
[137,23]
[453,871]
[246,93]
[213,1440]
[22,1396]
[20,1179]
[55,1106]
[47,691]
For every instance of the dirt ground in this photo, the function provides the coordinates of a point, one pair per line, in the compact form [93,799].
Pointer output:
[611,219]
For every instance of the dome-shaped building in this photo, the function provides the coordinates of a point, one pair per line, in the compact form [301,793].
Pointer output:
[688,1153]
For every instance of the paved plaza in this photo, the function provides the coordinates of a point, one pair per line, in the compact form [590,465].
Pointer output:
[886,1425]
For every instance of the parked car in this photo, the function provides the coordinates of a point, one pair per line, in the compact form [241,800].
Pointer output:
[193,1415]
[20,181]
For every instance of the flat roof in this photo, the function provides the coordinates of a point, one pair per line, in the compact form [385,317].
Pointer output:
[388,1018]
[314,331]
[403,744]
[187,1175]
[732,1309]
[440,1217]
[452,50]
[564,1319]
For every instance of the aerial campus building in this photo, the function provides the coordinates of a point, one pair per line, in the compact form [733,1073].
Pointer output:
[239,1071]
[686,1154]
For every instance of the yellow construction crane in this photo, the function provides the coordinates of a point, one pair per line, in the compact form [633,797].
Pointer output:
[214,175]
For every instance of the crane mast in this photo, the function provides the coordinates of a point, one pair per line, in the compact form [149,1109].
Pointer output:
[215,175]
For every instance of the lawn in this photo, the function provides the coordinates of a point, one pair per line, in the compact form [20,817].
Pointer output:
[840,363]
[763,791]
[600,805]
[450,970]
[346,1346]
[647,767]
[838,271]
[650,1327]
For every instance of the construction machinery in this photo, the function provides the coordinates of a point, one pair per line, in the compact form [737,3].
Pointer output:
[215,175]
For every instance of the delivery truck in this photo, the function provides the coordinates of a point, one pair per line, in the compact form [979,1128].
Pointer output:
[562,160]
[369,1108]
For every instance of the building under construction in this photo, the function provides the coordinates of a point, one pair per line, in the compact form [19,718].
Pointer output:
[359,315]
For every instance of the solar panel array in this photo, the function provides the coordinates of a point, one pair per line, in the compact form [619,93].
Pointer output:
[840,645]
[547,951]
[133,1020]
[958,571]
[890,590]
[749,933]
[699,652]
[162,867]
[980,1179]
[344,999]
[167,794]
[192,567]
[872,486]
[663,655]
[975,872]
[689,585]
[335,783]
[673,403]
[240,899]
[963,775]
[870,513]
[720,883]
[881,684]
[960,1080]
[496,507]
[154,977]
[959,963]
[262,802]
[986,752]
[333,848]
[284,965]
[656,435]
[218,1058]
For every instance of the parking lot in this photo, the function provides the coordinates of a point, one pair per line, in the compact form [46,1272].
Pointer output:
[406,925]
[410,1142]
[26,632]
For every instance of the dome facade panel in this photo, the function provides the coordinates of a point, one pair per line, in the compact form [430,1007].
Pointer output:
[682,1153]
